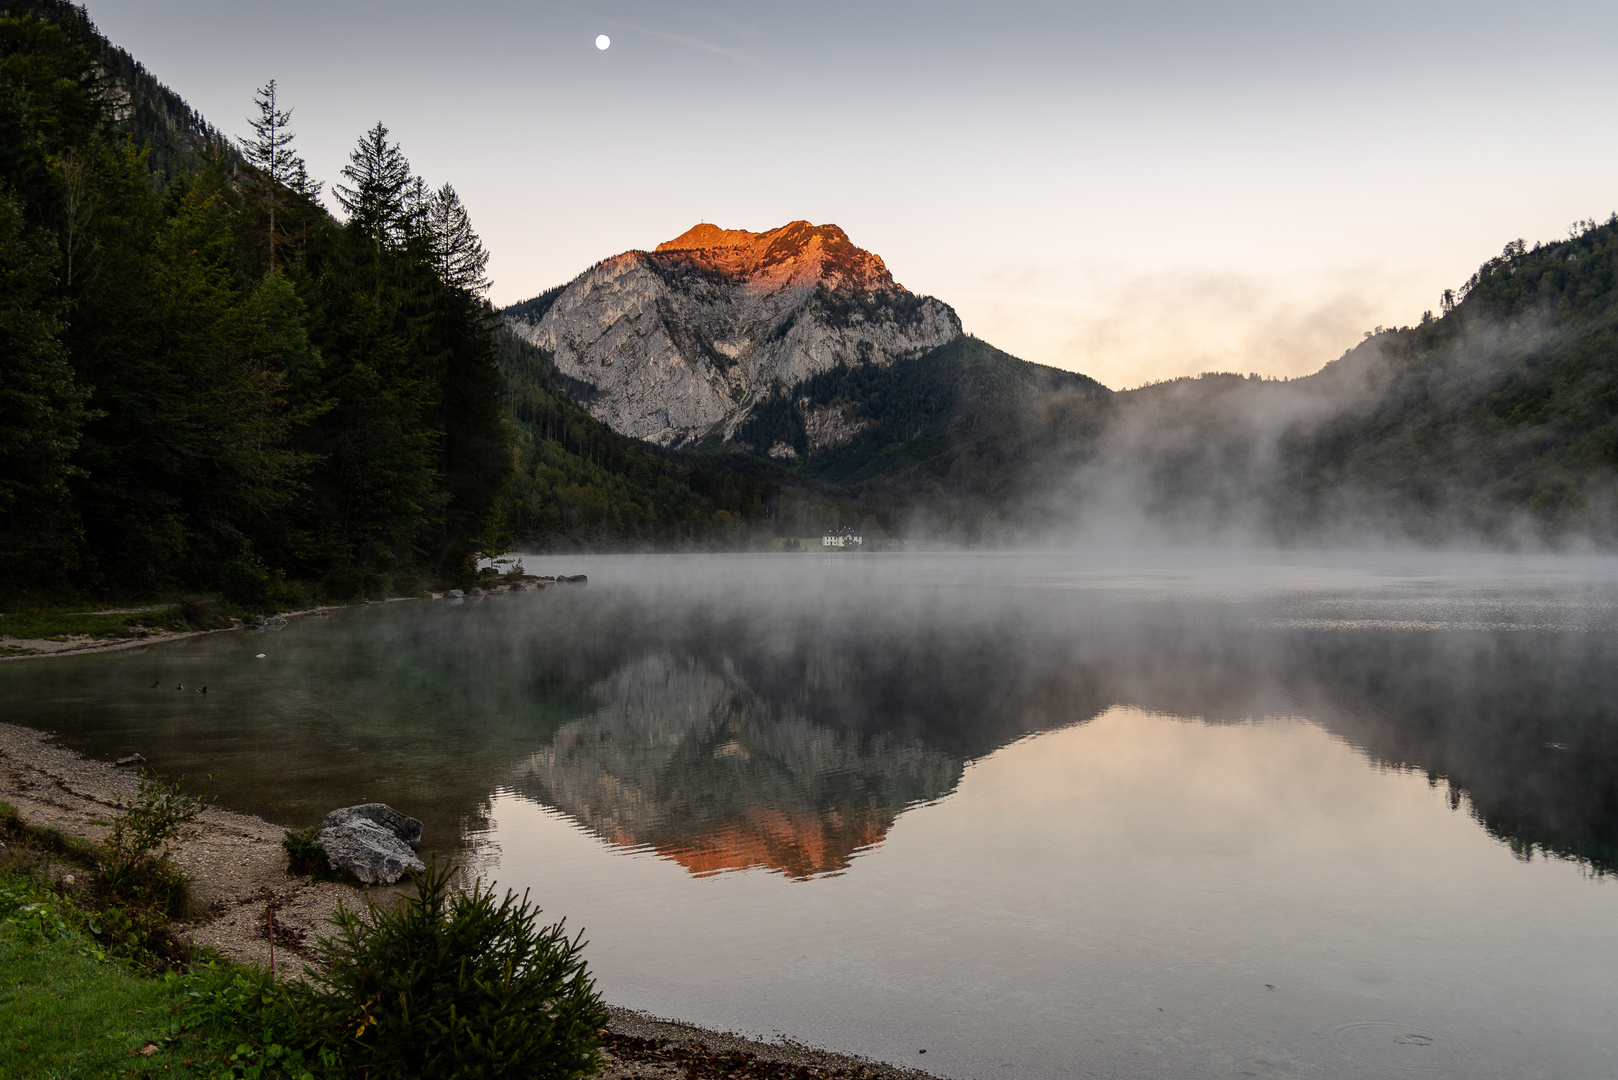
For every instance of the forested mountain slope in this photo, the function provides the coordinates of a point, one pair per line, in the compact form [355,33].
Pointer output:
[211,382]
[1495,423]
[578,483]
[175,135]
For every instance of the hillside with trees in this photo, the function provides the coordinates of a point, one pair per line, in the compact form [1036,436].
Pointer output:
[214,382]
[210,381]
[579,484]
[1494,422]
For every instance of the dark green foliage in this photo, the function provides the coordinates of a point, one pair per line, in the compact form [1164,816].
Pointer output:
[253,1025]
[532,311]
[215,385]
[108,91]
[1497,420]
[137,870]
[457,986]
[43,405]
[307,858]
[953,437]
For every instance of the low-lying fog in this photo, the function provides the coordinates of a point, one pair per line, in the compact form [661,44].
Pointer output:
[1042,816]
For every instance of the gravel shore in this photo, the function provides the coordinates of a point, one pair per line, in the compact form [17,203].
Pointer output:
[239,872]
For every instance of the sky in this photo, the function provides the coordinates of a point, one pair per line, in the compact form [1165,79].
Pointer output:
[1137,191]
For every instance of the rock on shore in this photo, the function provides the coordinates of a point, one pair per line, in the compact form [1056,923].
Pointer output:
[372,841]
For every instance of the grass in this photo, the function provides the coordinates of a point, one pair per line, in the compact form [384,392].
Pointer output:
[65,1013]
[58,624]
[94,983]
[80,994]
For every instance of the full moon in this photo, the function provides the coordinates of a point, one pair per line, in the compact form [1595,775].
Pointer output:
[602,41]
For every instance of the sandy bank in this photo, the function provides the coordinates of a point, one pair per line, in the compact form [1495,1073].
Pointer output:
[239,871]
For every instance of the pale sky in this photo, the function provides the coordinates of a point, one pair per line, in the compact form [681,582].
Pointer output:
[1132,190]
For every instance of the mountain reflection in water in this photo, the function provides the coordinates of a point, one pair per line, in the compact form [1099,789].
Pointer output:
[686,759]
[738,713]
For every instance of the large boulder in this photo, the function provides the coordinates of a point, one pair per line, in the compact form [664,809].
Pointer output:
[372,841]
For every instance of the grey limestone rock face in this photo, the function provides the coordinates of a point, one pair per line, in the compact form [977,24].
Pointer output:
[373,841]
[687,340]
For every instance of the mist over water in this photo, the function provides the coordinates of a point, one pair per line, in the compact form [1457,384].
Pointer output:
[1041,815]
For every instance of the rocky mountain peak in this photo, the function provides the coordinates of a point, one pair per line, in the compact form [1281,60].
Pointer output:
[799,254]
[682,343]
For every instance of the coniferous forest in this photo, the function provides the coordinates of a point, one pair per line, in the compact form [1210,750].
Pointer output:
[209,379]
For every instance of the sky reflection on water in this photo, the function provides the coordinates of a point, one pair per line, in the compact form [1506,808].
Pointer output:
[1043,820]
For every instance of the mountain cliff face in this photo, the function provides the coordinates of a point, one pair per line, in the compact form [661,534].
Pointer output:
[683,342]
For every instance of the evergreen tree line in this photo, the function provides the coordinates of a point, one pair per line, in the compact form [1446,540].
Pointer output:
[209,380]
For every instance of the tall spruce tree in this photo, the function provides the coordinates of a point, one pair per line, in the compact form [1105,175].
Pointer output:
[276,168]
[459,257]
[376,197]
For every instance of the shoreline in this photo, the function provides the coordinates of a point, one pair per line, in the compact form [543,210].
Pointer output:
[238,870]
[40,648]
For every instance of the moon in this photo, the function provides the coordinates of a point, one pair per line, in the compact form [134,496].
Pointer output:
[602,41]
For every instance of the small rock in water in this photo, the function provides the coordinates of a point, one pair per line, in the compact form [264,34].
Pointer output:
[132,759]
[455,594]
[259,656]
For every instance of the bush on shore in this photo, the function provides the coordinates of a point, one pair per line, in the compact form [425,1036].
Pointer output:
[445,984]
[455,986]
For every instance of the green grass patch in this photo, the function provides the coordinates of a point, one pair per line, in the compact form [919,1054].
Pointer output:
[63,1012]
[58,624]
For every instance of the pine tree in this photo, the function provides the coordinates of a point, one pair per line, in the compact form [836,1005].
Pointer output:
[459,257]
[269,154]
[378,193]
[42,409]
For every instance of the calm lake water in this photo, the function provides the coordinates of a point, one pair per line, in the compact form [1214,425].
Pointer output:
[1039,816]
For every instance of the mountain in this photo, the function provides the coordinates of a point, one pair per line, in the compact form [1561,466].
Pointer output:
[684,342]
[578,483]
[1495,422]
[175,135]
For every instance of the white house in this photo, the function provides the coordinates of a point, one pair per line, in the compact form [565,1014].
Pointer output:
[845,537]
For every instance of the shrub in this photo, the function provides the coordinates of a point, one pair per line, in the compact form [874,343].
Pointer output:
[244,581]
[345,583]
[457,986]
[305,856]
[253,1025]
[136,869]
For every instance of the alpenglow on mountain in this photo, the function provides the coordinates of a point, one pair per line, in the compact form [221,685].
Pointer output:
[681,343]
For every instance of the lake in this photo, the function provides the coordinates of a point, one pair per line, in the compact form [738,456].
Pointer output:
[1040,816]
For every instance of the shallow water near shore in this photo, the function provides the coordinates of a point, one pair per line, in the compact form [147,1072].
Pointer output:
[1041,816]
